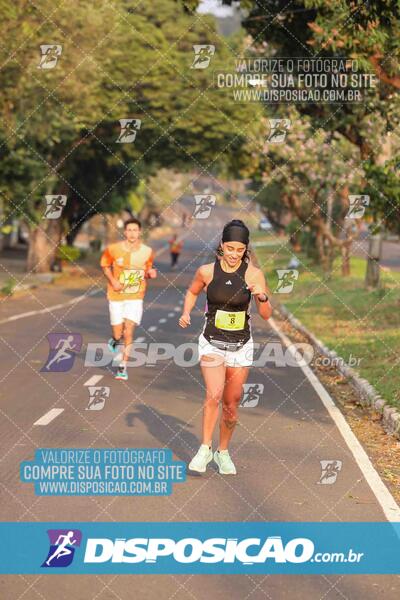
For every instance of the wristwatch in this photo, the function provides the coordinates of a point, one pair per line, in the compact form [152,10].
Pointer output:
[266,298]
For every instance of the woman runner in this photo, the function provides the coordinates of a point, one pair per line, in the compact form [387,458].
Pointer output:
[225,345]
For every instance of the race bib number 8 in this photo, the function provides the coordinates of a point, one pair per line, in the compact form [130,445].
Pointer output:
[131,280]
[230,321]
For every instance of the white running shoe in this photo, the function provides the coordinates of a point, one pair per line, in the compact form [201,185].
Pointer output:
[122,373]
[224,462]
[200,461]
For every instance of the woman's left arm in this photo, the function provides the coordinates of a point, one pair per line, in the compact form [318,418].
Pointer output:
[261,293]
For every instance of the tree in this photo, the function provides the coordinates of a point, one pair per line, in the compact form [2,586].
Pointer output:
[61,125]
[367,32]
[315,174]
[45,110]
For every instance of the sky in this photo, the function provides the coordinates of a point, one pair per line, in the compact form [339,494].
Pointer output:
[215,7]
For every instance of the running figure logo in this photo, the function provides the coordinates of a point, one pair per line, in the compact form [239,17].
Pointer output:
[55,205]
[330,470]
[63,348]
[203,54]
[97,397]
[286,280]
[251,394]
[62,547]
[50,54]
[358,204]
[278,131]
[129,129]
[204,204]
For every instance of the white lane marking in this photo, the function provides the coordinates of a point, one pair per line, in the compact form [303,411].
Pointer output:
[49,308]
[140,339]
[171,315]
[382,494]
[152,328]
[177,309]
[162,320]
[49,416]
[93,380]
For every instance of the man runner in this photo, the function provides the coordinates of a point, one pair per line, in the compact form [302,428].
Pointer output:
[126,265]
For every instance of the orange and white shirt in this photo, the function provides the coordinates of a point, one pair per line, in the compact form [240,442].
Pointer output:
[130,268]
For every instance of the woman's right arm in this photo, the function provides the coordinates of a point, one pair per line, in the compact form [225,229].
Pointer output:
[194,290]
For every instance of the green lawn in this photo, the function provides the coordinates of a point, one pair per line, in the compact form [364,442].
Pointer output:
[343,314]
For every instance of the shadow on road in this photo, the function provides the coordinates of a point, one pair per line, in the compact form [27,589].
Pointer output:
[170,431]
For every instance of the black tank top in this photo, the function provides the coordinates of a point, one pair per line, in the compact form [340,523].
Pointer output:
[227,294]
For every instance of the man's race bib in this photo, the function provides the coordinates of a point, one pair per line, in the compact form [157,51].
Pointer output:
[230,321]
[131,280]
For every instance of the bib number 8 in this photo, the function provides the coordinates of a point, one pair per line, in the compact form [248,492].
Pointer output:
[230,321]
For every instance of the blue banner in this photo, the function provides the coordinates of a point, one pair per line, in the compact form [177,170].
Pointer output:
[208,548]
[103,472]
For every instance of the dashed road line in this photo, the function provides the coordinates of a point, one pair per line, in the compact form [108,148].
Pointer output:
[93,380]
[49,416]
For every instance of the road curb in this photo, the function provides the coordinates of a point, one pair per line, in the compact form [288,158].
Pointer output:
[369,397]
[37,282]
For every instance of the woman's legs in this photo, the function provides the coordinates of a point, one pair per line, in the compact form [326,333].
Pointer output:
[213,371]
[235,377]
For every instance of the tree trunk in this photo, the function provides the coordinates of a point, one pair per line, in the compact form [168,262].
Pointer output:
[43,244]
[346,260]
[330,255]
[320,248]
[74,228]
[345,250]
[372,275]
[144,213]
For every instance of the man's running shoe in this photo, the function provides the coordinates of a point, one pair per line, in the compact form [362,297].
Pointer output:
[224,462]
[113,344]
[200,461]
[122,374]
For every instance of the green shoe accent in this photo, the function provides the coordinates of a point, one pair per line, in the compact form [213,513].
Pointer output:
[224,462]
[122,374]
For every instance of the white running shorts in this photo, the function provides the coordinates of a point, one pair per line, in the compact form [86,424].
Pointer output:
[239,358]
[125,309]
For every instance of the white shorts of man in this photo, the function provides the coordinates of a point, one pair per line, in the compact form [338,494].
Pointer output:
[124,316]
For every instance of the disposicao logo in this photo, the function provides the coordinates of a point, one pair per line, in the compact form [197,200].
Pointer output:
[62,352]
[62,547]
[191,550]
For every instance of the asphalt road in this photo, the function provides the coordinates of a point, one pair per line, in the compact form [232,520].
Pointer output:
[277,446]
[390,253]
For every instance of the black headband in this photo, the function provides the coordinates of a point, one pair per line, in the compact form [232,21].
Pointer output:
[235,233]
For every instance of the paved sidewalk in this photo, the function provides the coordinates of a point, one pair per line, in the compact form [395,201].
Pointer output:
[13,269]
